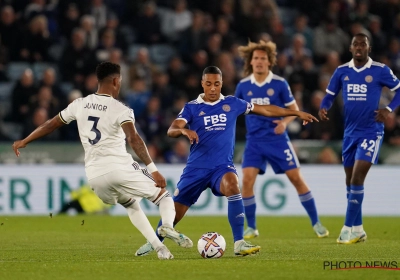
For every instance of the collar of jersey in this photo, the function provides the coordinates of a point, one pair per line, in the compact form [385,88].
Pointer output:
[267,80]
[102,94]
[367,65]
[201,100]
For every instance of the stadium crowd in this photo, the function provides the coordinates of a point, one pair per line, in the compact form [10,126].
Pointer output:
[49,50]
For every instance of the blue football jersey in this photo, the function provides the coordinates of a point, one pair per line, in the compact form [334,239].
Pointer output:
[361,91]
[274,90]
[215,124]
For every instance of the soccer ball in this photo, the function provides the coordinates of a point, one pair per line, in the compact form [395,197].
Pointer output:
[211,245]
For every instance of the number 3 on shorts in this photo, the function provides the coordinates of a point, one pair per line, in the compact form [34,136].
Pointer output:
[288,154]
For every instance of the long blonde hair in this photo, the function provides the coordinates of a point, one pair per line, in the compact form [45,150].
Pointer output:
[246,52]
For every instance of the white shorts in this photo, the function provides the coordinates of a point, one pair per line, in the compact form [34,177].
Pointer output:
[119,186]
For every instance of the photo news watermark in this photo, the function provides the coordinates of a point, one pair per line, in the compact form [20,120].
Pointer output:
[374,264]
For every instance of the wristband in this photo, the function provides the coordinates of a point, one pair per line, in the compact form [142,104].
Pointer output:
[389,109]
[152,167]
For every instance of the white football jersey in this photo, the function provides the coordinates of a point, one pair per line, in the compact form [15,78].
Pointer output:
[99,118]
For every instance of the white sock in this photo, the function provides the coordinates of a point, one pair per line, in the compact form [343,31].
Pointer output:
[358,228]
[346,228]
[167,211]
[140,221]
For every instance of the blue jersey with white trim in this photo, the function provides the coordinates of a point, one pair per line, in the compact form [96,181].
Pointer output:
[215,124]
[361,91]
[274,90]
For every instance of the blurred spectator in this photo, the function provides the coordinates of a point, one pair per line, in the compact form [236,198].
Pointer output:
[155,153]
[378,37]
[176,72]
[92,36]
[120,37]
[301,27]
[148,25]
[328,156]
[309,75]
[69,19]
[115,56]
[90,85]
[49,79]
[329,37]
[77,60]
[282,67]
[213,47]
[45,99]
[277,32]
[192,86]
[23,90]
[9,28]
[199,62]
[34,44]
[107,43]
[138,96]
[297,51]
[151,121]
[100,12]
[361,13]
[179,152]
[162,90]
[39,117]
[227,36]
[143,68]
[193,38]
[175,21]
[394,54]
[332,61]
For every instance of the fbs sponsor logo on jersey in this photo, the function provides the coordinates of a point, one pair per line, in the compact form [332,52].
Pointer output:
[215,122]
[355,88]
[260,101]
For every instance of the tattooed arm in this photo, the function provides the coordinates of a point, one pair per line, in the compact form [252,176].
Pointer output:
[136,142]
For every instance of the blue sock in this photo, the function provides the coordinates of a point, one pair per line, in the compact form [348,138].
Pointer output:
[348,192]
[358,220]
[250,211]
[159,237]
[354,204]
[308,202]
[236,216]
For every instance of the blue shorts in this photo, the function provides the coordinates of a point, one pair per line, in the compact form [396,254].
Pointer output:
[196,180]
[361,148]
[280,155]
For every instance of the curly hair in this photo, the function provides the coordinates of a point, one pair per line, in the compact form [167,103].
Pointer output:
[106,69]
[246,52]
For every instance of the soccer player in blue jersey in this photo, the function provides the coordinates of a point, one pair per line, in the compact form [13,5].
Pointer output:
[361,81]
[267,140]
[212,124]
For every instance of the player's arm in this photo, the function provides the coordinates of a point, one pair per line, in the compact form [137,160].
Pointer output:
[46,128]
[139,147]
[389,80]
[283,123]
[177,129]
[332,91]
[275,111]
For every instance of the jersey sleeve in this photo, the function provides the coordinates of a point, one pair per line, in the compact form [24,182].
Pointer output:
[389,79]
[243,106]
[69,114]
[286,94]
[238,91]
[185,114]
[335,84]
[126,116]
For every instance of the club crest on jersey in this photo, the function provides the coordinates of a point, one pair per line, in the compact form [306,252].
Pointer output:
[249,93]
[226,108]
[202,113]
[347,78]
[368,78]
[270,92]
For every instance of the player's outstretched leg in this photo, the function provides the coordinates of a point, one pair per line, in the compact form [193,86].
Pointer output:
[140,221]
[179,238]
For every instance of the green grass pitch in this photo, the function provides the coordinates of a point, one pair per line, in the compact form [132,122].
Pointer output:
[103,247]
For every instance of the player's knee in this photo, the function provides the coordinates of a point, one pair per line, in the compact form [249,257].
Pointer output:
[161,196]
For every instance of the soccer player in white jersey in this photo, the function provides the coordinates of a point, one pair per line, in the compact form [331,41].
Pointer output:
[104,123]
[361,81]
[267,140]
[211,121]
